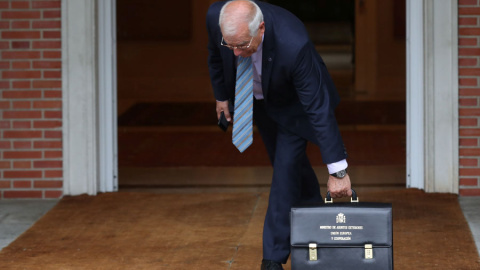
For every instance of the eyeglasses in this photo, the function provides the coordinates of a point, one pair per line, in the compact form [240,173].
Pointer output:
[240,47]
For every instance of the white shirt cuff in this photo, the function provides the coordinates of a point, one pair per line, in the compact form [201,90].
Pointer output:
[337,166]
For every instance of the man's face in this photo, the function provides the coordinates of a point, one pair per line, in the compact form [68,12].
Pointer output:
[243,38]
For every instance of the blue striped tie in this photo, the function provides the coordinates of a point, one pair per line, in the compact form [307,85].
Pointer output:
[242,119]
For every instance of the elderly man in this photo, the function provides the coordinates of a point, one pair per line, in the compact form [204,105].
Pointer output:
[262,62]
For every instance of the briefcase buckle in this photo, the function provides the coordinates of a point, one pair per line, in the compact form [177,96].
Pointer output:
[312,251]
[368,251]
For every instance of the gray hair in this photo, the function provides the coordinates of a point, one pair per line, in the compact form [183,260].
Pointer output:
[230,27]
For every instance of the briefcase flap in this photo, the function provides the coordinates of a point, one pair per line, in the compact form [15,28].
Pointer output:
[342,224]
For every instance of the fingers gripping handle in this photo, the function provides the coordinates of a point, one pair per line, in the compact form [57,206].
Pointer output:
[329,199]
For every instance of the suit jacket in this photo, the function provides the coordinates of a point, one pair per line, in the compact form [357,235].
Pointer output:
[298,90]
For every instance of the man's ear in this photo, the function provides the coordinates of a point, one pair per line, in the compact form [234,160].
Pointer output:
[262,27]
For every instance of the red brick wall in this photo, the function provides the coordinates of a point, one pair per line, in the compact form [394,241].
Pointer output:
[31,99]
[469,102]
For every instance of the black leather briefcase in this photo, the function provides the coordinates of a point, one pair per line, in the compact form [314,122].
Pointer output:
[337,236]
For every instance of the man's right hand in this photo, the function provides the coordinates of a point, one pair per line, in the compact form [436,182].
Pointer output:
[222,106]
[339,187]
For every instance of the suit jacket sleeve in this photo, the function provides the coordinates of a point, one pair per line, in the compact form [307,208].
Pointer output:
[215,61]
[319,98]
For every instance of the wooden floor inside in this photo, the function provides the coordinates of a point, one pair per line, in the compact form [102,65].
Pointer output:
[246,179]
[198,157]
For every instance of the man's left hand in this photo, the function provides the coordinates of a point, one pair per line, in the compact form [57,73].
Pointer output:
[339,187]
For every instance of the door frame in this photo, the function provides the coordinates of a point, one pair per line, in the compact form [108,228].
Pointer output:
[432,94]
[415,95]
[107,98]
[90,114]
[89,97]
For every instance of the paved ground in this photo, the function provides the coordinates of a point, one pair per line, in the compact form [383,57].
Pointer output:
[17,216]
[471,210]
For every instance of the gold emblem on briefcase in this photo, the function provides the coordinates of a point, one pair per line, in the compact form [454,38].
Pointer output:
[341,218]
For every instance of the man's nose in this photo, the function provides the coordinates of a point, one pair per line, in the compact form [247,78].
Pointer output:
[237,52]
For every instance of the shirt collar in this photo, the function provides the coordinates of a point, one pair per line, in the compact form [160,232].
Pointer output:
[260,47]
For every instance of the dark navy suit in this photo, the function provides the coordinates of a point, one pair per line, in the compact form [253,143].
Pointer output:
[298,106]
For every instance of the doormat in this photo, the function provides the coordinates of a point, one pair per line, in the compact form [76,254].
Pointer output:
[127,230]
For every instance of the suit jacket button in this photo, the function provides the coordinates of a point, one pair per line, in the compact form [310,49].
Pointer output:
[269,59]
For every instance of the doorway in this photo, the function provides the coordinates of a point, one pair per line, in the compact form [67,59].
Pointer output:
[166,110]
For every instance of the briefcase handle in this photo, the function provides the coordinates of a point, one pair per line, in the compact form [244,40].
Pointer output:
[353,199]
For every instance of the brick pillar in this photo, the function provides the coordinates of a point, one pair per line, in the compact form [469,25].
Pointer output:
[469,96]
[31,99]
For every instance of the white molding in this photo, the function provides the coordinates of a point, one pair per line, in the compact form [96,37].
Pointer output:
[415,95]
[79,84]
[107,95]
[441,96]
[432,95]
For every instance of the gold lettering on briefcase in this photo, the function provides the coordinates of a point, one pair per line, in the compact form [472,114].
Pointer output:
[341,232]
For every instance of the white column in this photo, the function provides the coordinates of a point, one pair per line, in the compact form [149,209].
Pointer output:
[432,95]
[79,84]
[441,96]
